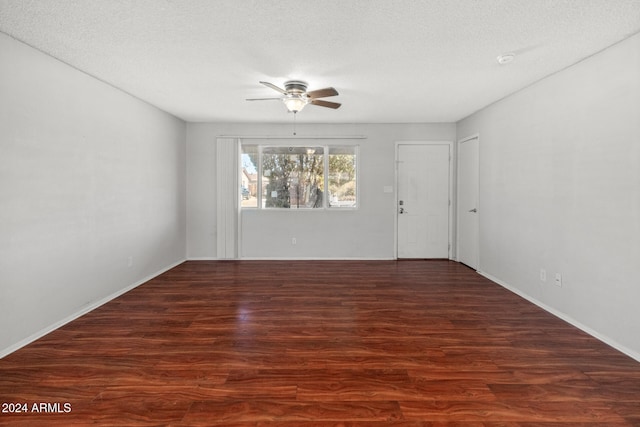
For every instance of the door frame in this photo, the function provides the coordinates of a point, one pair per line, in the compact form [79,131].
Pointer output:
[457,235]
[450,191]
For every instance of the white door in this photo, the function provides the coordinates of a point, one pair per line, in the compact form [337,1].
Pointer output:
[423,200]
[468,200]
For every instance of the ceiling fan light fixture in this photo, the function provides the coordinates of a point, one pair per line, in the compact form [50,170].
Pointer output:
[294,103]
[295,96]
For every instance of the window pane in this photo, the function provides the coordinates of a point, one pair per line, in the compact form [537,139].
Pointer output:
[249,177]
[292,177]
[342,177]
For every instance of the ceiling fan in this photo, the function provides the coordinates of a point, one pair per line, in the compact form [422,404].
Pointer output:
[295,95]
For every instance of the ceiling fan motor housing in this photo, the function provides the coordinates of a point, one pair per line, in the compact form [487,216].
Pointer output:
[295,87]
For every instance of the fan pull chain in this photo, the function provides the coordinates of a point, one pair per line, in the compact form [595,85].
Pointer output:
[295,114]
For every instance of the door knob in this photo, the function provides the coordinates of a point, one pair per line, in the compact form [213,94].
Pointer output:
[402,210]
[474,210]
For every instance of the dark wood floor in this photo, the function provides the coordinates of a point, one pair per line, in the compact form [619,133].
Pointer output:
[321,343]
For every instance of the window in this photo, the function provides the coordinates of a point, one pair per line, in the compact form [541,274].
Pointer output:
[299,177]
[342,177]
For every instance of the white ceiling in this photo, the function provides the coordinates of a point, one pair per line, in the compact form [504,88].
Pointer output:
[391,60]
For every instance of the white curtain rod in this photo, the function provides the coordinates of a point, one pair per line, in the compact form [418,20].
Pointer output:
[293,137]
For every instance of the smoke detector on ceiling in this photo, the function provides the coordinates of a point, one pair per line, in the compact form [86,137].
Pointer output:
[506,58]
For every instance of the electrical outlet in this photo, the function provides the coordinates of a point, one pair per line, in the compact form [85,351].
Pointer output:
[558,279]
[293,241]
[543,275]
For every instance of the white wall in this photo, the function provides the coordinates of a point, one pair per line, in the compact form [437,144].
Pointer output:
[91,180]
[367,232]
[560,190]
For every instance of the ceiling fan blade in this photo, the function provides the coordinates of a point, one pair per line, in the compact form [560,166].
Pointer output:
[328,104]
[262,99]
[322,93]
[274,87]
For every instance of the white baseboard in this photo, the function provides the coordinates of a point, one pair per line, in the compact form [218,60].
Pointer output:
[84,310]
[605,339]
[313,259]
[290,259]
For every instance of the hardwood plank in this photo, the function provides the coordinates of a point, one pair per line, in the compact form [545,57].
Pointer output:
[258,410]
[321,343]
[511,411]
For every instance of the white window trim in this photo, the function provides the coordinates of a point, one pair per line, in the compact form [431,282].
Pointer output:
[326,152]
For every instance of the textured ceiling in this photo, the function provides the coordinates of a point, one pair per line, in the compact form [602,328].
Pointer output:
[391,60]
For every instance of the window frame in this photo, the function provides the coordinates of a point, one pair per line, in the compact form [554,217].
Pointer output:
[328,150]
